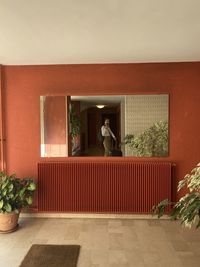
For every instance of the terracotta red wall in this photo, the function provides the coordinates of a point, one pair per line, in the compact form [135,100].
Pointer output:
[23,85]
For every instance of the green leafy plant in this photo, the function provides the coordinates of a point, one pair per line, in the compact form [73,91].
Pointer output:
[152,142]
[75,124]
[15,193]
[187,209]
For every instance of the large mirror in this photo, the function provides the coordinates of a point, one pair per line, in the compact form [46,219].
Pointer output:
[107,125]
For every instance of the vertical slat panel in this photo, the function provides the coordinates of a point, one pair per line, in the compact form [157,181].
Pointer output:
[124,187]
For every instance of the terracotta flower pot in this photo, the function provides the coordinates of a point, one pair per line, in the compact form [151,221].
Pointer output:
[8,222]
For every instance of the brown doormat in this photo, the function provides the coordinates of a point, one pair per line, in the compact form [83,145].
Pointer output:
[51,256]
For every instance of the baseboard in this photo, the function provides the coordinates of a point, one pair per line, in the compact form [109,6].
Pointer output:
[93,216]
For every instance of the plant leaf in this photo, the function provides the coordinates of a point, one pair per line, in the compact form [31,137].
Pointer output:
[32,186]
[1,203]
[8,207]
[29,200]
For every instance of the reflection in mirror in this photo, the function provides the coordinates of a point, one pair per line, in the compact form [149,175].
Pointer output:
[74,125]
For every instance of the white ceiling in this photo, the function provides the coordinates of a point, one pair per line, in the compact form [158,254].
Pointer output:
[99,31]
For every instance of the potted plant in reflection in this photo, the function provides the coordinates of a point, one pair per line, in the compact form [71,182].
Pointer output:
[15,194]
[187,209]
[153,142]
[75,131]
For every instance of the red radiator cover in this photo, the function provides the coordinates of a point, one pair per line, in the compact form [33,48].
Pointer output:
[114,187]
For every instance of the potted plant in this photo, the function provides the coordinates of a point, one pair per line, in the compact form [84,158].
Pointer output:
[153,142]
[75,131]
[187,209]
[15,194]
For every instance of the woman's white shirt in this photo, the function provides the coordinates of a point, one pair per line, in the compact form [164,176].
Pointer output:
[106,131]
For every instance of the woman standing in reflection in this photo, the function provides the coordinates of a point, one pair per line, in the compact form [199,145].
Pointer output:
[108,135]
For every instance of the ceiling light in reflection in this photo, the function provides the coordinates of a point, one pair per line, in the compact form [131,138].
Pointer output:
[100,106]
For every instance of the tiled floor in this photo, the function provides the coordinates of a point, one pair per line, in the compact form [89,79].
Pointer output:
[107,242]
